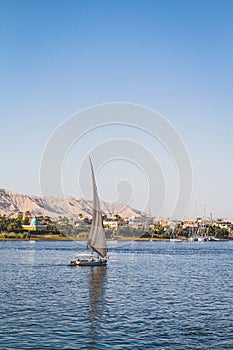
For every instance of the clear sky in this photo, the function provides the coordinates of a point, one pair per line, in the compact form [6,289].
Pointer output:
[176,57]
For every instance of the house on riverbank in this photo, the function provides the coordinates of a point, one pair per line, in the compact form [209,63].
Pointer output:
[35,226]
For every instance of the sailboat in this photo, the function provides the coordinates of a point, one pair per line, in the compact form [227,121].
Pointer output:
[97,239]
[201,232]
[173,237]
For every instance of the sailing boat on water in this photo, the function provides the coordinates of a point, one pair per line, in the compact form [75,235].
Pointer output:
[97,239]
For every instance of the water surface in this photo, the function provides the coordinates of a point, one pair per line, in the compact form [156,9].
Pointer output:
[152,295]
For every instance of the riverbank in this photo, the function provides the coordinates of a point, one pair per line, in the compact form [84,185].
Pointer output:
[67,238]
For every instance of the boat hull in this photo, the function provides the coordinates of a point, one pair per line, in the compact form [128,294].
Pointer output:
[193,239]
[87,262]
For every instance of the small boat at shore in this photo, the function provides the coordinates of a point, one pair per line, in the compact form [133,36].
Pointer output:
[213,239]
[193,239]
[97,239]
[202,239]
[198,239]
[176,240]
[200,235]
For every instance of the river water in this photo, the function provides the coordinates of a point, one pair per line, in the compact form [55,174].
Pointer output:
[152,295]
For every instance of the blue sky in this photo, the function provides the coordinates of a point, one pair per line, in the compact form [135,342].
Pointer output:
[175,57]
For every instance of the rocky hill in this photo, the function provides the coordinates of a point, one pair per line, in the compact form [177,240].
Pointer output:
[11,203]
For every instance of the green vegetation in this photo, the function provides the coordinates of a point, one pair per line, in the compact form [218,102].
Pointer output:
[13,235]
[10,224]
[12,228]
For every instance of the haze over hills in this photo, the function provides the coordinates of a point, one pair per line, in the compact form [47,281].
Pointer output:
[11,203]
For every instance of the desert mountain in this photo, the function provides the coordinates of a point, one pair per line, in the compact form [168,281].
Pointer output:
[11,203]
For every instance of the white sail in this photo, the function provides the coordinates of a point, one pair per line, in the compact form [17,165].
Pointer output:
[97,239]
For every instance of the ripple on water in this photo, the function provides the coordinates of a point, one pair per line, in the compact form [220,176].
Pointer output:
[152,295]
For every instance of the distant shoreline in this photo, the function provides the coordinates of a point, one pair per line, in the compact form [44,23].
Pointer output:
[59,238]
[56,238]
[65,238]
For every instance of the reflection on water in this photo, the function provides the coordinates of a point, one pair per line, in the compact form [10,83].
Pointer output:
[97,283]
[152,295]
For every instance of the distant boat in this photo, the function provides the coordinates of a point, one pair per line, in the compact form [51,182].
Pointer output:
[193,239]
[202,239]
[198,239]
[97,239]
[173,237]
[213,239]
[199,236]
[176,240]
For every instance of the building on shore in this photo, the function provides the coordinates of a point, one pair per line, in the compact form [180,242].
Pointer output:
[35,226]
